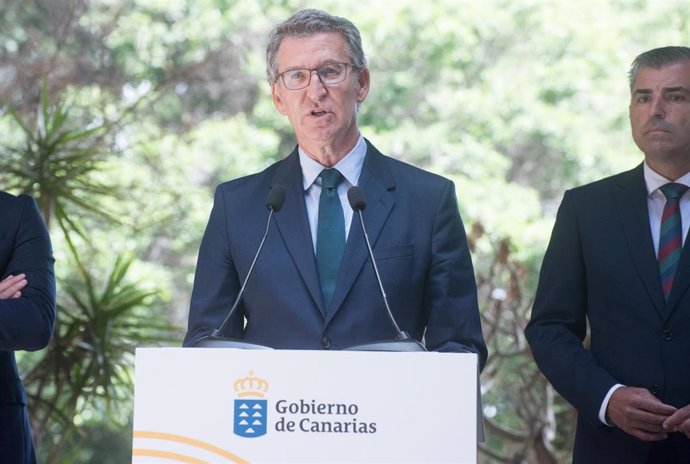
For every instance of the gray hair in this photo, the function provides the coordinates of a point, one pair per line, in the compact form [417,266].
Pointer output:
[657,58]
[309,22]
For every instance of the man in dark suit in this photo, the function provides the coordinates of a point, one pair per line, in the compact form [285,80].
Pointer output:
[295,298]
[616,260]
[27,314]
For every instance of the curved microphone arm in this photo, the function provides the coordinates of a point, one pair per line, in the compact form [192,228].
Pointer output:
[274,201]
[403,341]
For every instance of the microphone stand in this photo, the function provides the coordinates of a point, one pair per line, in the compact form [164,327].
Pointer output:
[275,200]
[402,342]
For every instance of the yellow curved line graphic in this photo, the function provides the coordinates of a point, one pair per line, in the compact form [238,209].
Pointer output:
[167,455]
[192,442]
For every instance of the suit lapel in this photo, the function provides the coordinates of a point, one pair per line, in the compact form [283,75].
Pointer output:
[631,199]
[293,224]
[375,182]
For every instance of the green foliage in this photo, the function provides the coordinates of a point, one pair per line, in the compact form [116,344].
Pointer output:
[54,163]
[89,363]
[106,444]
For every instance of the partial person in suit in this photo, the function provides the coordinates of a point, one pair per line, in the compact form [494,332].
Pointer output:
[616,260]
[295,299]
[27,315]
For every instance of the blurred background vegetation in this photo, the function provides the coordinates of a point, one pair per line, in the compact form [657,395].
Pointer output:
[121,116]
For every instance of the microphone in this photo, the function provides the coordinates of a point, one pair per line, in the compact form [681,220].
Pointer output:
[402,341]
[274,201]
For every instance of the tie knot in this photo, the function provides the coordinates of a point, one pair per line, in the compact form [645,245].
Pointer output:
[330,178]
[673,191]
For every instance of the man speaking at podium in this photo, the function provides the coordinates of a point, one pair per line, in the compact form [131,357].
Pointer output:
[313,286]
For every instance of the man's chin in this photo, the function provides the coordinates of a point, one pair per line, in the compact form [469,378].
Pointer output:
[322,135]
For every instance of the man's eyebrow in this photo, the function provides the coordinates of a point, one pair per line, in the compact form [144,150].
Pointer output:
[675,89]
[642,91]
[664,90]
[327,62]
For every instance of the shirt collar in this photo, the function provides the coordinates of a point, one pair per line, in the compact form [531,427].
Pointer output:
[654,180]
[350,166]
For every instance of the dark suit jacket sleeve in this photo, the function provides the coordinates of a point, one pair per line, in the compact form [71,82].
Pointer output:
[451,294]
[216,282]
[559,318]
[26,323]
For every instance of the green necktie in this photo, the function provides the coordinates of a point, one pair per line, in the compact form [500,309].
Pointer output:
[330,234]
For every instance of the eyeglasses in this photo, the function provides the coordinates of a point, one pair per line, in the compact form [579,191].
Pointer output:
[329,74]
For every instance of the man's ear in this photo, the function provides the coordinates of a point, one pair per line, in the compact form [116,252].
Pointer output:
[363,83]
[277,99]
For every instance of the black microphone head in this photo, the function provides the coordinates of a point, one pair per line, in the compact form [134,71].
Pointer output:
[356,198]
[276,198]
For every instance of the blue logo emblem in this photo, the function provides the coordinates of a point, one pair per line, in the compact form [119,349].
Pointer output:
[250,418]
[251,410]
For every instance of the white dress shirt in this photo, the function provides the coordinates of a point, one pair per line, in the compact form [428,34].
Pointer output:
[350,167]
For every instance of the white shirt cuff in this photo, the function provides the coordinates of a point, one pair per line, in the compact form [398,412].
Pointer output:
[605,404]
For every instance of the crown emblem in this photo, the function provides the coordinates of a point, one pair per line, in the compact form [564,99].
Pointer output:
[251,386]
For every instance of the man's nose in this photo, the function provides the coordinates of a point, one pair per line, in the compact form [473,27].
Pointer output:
[316,89]
[658,108]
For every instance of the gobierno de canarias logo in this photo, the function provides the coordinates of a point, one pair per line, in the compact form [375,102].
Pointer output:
[251,407]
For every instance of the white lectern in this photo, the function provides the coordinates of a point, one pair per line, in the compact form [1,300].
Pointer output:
[253,406]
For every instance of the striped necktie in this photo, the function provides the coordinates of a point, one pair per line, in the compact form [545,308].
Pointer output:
[671,235]
[330,233]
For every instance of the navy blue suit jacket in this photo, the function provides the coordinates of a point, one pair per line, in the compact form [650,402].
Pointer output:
[420,246]
[26,323]
[600,265]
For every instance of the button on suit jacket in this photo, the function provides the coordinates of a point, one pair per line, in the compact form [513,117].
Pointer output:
[420,246]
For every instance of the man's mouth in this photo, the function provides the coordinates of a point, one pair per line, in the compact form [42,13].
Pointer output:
[656,126]
[656,130]
[318,112]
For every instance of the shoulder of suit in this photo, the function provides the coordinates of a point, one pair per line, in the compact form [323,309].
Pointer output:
[404,168]
[261,177]
[633,178]
[13,207]
[6,196]
[7,200]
